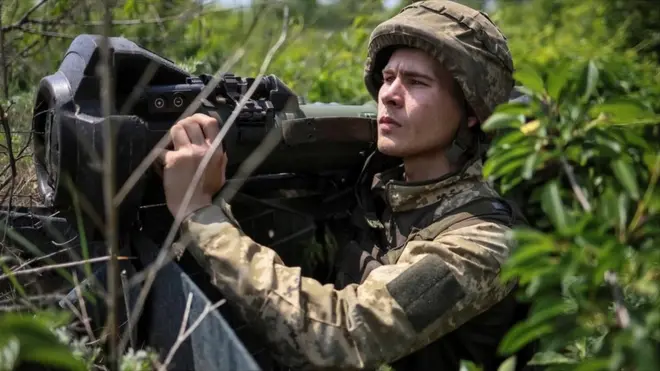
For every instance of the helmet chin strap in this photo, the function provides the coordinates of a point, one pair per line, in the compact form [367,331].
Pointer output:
[462,144]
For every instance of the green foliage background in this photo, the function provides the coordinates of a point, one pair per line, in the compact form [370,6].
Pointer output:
[582,159]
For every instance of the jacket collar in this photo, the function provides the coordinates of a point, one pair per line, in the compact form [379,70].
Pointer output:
[401,196]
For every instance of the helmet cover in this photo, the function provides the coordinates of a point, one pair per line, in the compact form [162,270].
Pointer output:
[464,40]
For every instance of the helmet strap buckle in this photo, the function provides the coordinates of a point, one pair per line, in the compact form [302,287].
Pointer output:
[461,145]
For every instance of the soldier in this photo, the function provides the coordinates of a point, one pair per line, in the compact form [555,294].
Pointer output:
[425,293]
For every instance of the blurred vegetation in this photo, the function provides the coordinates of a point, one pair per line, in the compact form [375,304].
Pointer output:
[583,158]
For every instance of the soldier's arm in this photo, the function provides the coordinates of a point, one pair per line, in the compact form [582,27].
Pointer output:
[434,288]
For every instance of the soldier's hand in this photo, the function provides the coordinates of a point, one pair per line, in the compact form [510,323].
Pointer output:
[191,139]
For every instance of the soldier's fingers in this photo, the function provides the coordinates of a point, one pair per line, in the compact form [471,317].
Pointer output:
[209,126]
[194,132]
[164,156]
[224,160]
[211,129]
[179,136]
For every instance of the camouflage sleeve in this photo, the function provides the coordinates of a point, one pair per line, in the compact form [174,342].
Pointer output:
[435,287]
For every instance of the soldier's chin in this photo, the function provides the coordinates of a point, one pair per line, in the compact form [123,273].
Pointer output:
[390,147]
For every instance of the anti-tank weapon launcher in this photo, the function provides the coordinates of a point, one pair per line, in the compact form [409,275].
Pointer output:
[150,93]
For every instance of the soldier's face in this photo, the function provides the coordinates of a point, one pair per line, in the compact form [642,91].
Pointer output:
[418,108]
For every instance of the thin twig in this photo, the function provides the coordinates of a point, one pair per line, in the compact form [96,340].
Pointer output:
[111,217]
[47,33]
[27,14]
[28,262]
[12,161]
[83,308]
[183,336]
[58,266]
[117,22]
[127,305]
[622,315]
[45,297]
[648,194]
[4,79]
[574,184]
[186,314]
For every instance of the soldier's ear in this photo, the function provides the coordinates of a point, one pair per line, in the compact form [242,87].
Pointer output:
[472,121]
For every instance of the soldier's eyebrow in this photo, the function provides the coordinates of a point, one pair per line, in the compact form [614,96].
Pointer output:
[409,73]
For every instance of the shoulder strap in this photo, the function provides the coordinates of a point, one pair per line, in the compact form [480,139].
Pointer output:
[476,211]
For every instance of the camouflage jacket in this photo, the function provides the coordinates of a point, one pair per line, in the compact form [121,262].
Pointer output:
[423,288]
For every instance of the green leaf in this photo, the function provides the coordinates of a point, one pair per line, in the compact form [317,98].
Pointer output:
[538,324]
[529,166]
[621,110]
[651,160]
[508,365]
[602,364]
[10,348]
[508,167]
[17,285]
[522,334]
[552,205]
[53,356]
[557,80]
[605,142]
[590,77]
[37,342]
[502,121]
[507,140]
[626,176]
[530,250]
[623,206]
[608,207]
[513,108]
[530,79]
[548,312]
[129,6]
[632,139]
[469,366]
[550,358]
[495,162]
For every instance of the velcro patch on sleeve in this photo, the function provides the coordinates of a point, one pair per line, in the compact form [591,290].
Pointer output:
[426,291]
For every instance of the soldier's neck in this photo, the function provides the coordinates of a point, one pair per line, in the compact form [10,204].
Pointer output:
[427,166]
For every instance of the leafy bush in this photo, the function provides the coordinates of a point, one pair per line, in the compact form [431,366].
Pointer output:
[582,154]
[44,338]
[583,159]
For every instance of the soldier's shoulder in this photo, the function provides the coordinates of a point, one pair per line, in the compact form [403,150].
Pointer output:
[463,192]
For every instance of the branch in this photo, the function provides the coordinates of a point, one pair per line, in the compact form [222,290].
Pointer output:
[26,16]
[623,317]
[184,335]
[648,194]
[12,161]
[23,53]
[108,178]
[58,266]
[46,33]
[574,184]
[121,22]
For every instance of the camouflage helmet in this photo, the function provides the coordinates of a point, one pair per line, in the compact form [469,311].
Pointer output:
[465,41]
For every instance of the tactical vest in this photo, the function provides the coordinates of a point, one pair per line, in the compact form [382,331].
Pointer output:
[477,340]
